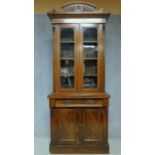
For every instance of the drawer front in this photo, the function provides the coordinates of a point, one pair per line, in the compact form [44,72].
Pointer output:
[79,103]
[92,101]
[67,101]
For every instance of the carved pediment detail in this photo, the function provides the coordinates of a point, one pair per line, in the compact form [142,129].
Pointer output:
[79,7]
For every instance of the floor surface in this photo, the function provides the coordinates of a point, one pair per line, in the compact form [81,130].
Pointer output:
[41,146]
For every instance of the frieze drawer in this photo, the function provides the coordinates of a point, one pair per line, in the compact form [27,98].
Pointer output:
[79,103]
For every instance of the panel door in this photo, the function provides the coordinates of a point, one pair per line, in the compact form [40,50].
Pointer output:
[94,125]
[91,58]
[66,57]
[65,126]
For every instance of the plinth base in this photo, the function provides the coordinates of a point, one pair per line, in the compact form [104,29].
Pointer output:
[79,149]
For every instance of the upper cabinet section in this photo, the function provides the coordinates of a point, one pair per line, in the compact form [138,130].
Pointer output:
[78,48]
[78,57]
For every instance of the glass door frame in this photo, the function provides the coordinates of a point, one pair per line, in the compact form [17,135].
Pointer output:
[57,52]
[100,59]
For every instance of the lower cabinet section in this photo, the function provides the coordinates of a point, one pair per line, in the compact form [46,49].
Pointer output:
[79,130]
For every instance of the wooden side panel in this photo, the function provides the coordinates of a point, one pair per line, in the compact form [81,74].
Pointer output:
[66,126]
[94,125]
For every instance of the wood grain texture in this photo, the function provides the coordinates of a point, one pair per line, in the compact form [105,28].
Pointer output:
[77,15]
[66,126]
[79,126]
[94,126]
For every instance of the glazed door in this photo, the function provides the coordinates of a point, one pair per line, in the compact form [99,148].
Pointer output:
[94,126]
[79,58]
[66,126]
[66,58]
[91,58]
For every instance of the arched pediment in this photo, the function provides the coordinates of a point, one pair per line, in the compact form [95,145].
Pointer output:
[78,7]
[78,10]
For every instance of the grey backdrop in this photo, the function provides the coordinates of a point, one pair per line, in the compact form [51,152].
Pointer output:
[43,74]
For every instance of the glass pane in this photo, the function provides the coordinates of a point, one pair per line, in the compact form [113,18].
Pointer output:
[90,50]
[67,67]
[90,82]
[67,82]
[67,50]
[67,34]
[90,34]
[67,58]
[90,67]
[67,73]
[90,55]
